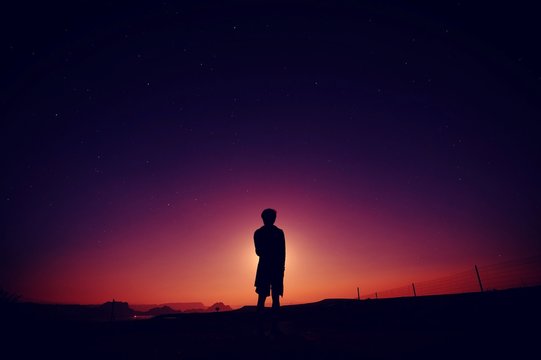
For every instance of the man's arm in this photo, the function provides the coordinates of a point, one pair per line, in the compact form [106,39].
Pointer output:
[256,242]
[283,249]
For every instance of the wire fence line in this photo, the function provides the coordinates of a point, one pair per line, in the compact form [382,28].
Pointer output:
[524,272]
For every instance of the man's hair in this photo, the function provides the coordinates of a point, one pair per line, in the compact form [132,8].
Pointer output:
[268,216]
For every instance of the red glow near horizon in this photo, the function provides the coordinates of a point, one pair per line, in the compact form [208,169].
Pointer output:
[202,250]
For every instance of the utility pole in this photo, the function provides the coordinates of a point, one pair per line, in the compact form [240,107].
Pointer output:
[414,292]
[479,278]
[358,294]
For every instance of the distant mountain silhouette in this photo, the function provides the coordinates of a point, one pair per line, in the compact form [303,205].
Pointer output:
[178,306]
[163,310]
[116,310]
[171,308]
[183,306]
[219,306]
[104,312]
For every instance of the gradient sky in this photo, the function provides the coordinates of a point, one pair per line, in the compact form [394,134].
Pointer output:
[140,145]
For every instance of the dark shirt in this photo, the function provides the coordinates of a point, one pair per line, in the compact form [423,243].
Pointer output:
[270,246]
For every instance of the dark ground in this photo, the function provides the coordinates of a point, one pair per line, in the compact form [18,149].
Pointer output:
[499,324]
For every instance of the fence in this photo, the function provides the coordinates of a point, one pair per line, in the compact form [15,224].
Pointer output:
[511,274]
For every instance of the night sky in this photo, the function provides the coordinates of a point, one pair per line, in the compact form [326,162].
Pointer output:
[397,142]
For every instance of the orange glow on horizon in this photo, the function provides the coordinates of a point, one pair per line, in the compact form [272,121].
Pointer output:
[206,254]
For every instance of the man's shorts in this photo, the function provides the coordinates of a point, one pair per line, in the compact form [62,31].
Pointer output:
[274,281]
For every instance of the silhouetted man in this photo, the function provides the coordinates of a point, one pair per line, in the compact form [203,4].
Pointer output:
[270,246]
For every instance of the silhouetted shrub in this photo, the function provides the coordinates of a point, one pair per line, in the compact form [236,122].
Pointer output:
[8,297]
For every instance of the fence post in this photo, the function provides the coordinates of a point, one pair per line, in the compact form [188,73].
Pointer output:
[479,278]
[414,292]
[358,294]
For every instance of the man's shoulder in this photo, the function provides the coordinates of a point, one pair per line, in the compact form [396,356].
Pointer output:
[276,228]
[259,231]
[268,229]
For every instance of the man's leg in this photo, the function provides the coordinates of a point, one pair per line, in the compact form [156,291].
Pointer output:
[261,302]
[275,301]
[260,323]
[275,314]
[277,289]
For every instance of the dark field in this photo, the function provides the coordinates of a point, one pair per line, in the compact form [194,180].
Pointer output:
[499,324]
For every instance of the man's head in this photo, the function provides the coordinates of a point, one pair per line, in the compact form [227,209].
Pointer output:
[268,216]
